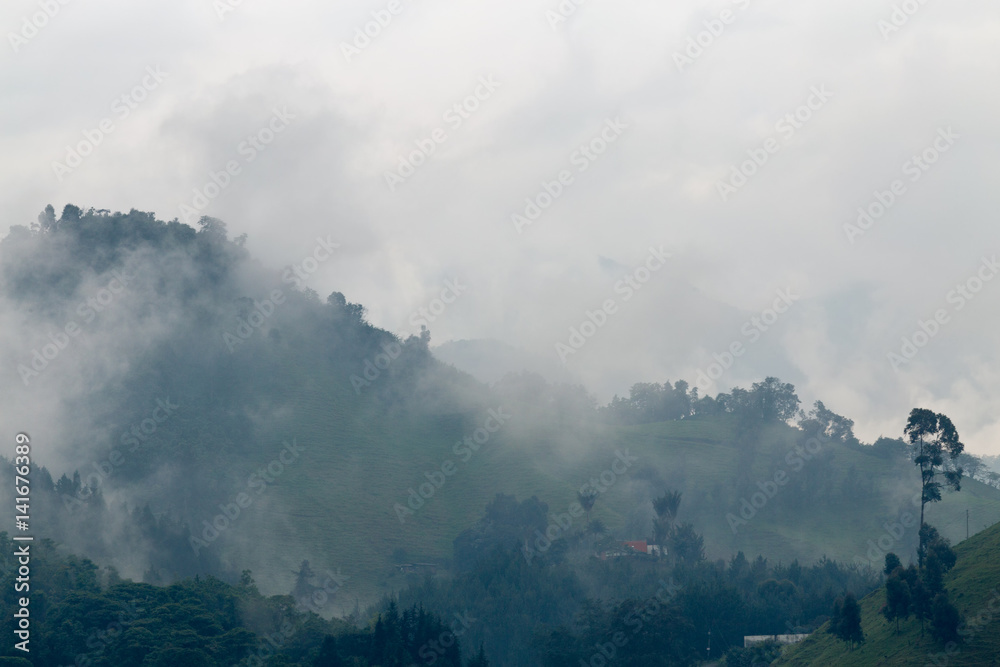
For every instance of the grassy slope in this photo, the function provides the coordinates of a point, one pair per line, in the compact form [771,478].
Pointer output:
[334,507]
[973,584]
[701,450]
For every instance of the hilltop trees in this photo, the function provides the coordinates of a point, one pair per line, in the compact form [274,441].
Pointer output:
[825,422]
[931,437]
[768,401]
[774,400]
[650,402]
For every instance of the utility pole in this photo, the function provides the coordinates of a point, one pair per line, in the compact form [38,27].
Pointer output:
[966,524]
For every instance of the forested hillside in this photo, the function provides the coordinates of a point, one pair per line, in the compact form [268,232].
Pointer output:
[973,585]
[204,415]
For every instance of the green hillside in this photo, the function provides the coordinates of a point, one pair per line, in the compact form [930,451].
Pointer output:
[294,374]
[338,511]
[974,588]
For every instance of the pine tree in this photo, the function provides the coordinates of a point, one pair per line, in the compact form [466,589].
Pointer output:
[846,620]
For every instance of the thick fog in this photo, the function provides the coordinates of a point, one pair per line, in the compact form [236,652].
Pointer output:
[621,122]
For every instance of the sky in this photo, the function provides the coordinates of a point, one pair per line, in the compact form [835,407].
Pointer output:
[714,192]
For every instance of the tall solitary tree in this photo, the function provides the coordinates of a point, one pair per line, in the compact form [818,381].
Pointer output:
[932,436]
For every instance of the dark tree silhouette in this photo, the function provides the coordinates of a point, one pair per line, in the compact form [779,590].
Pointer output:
[587,500]
[846,620]
[945,620]
[666,507]
[897,598]
[932,436]
[891,563]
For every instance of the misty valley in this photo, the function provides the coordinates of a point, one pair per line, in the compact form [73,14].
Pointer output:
[216,465]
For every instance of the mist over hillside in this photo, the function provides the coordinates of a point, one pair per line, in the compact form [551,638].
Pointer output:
[181,387]
[541,333]
[489,361]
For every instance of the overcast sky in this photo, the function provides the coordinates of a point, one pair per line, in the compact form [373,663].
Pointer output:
[332,113]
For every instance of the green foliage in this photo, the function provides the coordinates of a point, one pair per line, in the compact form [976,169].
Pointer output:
[897,596]
[845,623]
[687,545]
[554,610]
[932,436]
[650,402]
[945,620]
[891,563]
[973,592]
[200,622]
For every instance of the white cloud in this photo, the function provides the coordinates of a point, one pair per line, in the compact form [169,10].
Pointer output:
[657,185]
